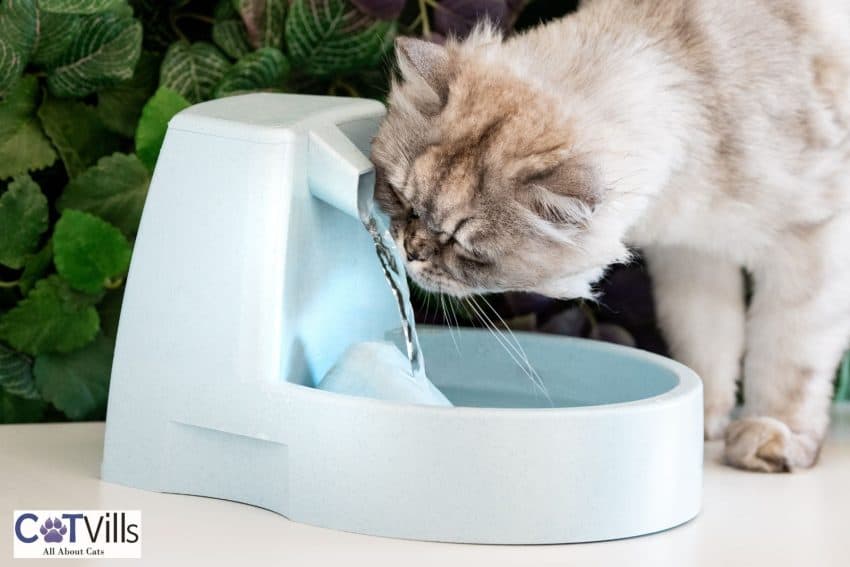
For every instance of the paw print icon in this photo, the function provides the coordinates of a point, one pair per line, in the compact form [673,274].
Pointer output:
[52,530]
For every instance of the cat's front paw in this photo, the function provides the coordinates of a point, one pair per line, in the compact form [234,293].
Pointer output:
[766,444]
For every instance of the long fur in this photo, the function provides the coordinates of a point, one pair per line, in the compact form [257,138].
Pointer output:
[714,135]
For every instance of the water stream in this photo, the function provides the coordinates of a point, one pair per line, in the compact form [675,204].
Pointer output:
[393,267]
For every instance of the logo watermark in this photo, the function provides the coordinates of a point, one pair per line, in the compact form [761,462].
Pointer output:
[76,534]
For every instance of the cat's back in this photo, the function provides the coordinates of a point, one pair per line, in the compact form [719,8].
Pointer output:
[770,81]
[780,56]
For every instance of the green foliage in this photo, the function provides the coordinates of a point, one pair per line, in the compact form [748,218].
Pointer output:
[77,133]
[87,88]
[120,107]
[193,70]
[154,122]
[79,6]
[77,383]
[103,51]
[51,318]
[260,70]
[230,35]
[328,37]
[16,374]
[88,251]
[263,21]
[18,30]
[23,145]
[36,267]
[114,190]
[56,31]
[23,218]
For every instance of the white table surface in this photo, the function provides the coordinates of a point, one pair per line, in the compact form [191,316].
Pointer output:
[748,519]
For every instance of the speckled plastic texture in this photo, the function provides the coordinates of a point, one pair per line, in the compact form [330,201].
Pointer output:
[251,275]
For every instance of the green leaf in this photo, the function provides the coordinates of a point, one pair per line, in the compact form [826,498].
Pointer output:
[231,37]
[23,145]
[18,24]
[114,190]
[79,6]
[15,409]
[77,133]
[154,123]
[120,107]
[77,383]
[12,64]
[52,318]
[329,37]
[16,374]
[224,10]
[23,219]
[264,21]
[55,33]
[102,52]
[36,267]
[193,70]
[262,69]
[88,251]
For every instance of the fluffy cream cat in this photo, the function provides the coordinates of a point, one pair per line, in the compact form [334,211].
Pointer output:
[711,134]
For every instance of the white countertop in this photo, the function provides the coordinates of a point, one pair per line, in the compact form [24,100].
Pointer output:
[748,519]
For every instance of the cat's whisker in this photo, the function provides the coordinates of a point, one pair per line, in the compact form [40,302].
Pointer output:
[511,350]
[454,316]
[500,340]
[511,338]
[448,321]
[510,333]
[427,305]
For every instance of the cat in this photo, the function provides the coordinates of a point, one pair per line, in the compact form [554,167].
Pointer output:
[714,136]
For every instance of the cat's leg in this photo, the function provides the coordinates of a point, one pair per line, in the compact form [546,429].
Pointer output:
[798,328]
[700,306]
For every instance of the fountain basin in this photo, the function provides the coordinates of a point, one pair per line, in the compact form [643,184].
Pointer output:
[618,454]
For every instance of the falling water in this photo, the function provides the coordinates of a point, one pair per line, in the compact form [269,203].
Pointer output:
[393,266]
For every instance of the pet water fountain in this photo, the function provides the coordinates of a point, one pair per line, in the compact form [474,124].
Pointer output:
[252,274]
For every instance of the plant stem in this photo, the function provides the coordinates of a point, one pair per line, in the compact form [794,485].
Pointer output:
[423,13]
[347,87]
[172,20]
[11,284]
[192,16]
[414,24]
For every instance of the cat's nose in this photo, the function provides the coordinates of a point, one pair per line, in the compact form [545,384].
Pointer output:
[418,249]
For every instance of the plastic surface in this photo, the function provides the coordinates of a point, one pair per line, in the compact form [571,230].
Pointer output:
[245,288]
[379,370]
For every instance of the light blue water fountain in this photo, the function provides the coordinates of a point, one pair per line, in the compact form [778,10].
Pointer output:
[252,276]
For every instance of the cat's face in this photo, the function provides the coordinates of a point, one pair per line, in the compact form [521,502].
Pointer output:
[483,182]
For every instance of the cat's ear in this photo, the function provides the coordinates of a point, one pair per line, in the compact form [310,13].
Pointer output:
[424,60]
[564,192]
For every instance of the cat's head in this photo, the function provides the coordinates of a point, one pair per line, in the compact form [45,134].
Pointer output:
[485,178]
